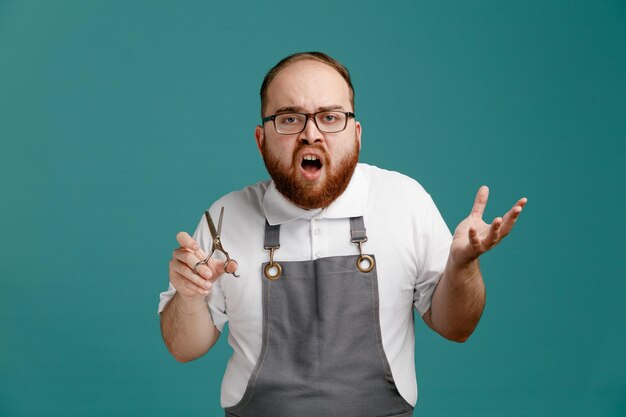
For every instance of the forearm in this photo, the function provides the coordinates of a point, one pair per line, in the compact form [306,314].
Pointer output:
[458,301]
[187,328]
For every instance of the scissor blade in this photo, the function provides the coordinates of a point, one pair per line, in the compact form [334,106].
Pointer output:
[219,222]
[211,225]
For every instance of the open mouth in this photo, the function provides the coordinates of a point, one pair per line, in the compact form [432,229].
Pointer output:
[311,164]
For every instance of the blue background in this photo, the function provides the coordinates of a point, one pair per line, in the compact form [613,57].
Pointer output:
[121,121]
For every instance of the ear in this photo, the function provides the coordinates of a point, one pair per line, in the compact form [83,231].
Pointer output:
[357,127]
[259,136]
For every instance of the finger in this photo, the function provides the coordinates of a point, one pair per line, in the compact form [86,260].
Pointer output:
[180,270]
[474,240]
[215,268]
[185,256]
[200,254]
[187,273]
[494,233]
[182,276]
[210,271]
[480,202]
[522,202]
[231,267]
[187,242]
[188,286]
[511,216]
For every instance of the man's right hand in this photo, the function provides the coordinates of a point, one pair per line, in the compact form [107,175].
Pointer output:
[189,285]
[186,324]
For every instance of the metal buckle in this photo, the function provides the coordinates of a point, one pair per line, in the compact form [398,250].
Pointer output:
[364,263]
[272,270]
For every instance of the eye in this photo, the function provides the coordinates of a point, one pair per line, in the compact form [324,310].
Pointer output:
[331,118]
[289,119]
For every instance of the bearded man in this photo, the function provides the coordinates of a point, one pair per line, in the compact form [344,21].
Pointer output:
[333,255]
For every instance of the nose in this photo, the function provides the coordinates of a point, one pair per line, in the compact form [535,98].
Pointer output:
[311,134]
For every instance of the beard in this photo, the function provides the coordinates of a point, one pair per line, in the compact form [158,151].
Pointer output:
[305,194]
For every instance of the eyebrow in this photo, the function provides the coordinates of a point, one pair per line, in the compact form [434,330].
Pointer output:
[298,109]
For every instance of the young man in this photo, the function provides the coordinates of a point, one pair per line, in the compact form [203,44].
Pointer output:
[332,257]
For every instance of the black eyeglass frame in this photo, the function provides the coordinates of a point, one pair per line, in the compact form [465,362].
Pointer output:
[308,116]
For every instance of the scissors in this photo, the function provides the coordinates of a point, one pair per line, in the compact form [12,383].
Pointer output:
[217,244]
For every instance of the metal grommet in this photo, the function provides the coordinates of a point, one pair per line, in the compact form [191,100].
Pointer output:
[365,259]
[267,271]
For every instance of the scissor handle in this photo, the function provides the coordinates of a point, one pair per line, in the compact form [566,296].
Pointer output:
[205,261]
[228,260]
[217,246]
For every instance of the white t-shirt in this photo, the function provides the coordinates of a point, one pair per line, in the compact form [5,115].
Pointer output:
[405,231]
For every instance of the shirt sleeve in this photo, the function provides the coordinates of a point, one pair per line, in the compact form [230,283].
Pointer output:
[433,250]
[215,302]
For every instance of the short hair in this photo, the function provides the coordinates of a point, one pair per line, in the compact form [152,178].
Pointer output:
[303,56]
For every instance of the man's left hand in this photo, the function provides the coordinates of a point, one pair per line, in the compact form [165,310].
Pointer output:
[473,236]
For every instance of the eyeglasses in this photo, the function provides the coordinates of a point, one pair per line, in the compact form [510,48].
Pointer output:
[327,121]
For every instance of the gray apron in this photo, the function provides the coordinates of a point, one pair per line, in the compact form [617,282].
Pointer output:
[322,353]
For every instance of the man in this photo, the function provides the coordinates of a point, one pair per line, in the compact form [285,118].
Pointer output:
[332,257]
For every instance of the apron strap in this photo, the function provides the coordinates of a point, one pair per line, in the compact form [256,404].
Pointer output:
[357,230]
[272,236]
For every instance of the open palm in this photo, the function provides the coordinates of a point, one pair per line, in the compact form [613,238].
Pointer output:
[473,237]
